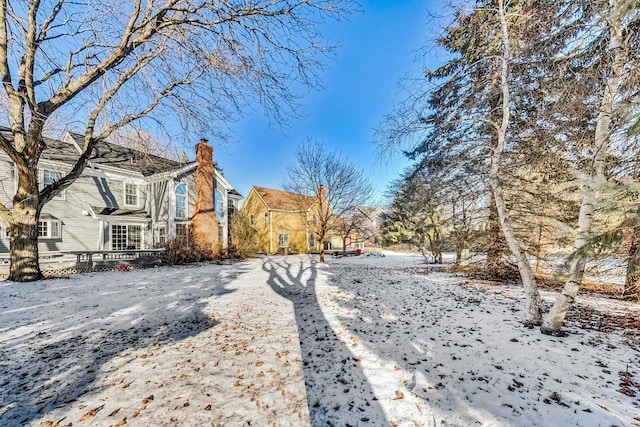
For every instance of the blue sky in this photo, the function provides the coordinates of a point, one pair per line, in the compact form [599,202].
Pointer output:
[377,48]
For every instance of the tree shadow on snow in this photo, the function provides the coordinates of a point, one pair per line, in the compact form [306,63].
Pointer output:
[61,363]
[338,392]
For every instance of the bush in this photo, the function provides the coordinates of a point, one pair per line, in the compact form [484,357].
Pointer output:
[245,240]
[179,251]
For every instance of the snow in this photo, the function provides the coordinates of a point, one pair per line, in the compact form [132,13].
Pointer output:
[373,340]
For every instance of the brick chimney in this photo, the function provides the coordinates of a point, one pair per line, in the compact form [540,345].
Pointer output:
[204,223]
[322,193]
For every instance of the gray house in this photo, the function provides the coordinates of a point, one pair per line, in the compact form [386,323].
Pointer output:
[124,200]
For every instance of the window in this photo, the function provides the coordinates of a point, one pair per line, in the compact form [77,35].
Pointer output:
[231,208]
[315,219]
[182,231]
[312,241]
[49,229]
[126,237]
[219,204]
[160,235]
[266,217]
[251,220]
[283,240]
[130,194]
[181,201]
[51,177]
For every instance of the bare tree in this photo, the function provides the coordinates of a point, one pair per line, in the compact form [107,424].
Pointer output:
[110,63]
[337,184]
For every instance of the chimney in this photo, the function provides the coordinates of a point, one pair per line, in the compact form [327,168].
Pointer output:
[204,223]
[322,193]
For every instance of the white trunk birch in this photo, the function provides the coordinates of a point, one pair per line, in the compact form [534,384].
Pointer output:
[555,319]
[533,310]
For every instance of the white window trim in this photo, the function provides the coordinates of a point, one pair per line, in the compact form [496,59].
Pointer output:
[124,191]
[156,232]
[127,224]
[3,232]
[185,223]
[186,202]
[59,196]
[50,223]
[286,242]
[223,210]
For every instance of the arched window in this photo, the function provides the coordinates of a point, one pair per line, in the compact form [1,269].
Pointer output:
[219,204]
[181,201]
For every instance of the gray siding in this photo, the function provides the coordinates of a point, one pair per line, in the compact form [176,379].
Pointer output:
[7,190]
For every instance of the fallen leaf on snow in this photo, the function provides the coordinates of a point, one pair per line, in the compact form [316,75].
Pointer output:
[399,395]
[86,416]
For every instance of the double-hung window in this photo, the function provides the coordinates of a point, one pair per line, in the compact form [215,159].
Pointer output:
[283,240]
[131,195]
[48,177]
[49,229]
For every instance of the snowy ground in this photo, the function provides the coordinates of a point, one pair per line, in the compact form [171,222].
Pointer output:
[360,341]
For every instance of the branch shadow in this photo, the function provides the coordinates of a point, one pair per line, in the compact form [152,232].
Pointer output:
[56,345]
[338,392]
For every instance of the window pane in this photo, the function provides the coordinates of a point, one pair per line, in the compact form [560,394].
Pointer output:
[119,237]
[42,229]
[219,204]
[55,229]
[50,177]
[131,194]
[182,231]
[181,201]
[134,237]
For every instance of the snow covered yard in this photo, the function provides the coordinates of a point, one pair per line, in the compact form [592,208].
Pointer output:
[287,341]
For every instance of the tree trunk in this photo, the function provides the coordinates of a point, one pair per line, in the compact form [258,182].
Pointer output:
[23,238]
[539,248]
[533,305]
[555,319]
[632,280]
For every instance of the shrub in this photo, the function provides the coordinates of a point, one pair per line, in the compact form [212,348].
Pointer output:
[179,251]
[245,240]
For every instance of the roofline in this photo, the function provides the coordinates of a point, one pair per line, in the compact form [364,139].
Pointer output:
[253,188]
[172,173]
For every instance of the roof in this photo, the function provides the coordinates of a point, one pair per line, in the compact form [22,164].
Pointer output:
[102,210]
[107,153]
[55,149]
[284,200]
